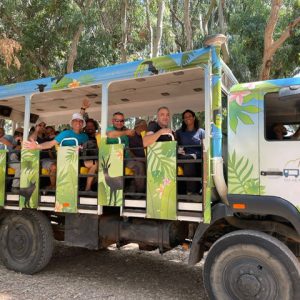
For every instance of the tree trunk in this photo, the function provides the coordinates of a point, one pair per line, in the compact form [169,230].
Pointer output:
[222,24]
[124,32]
[159,28]
[187,25]
[271,46]
[178,38]
[74,45]
[213,4]
[149,27]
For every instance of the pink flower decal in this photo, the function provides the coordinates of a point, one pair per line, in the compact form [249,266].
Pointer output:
[160,190]
[166,181]
[238,97]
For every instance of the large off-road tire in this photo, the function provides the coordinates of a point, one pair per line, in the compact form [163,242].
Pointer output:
[26,241]
[247,264]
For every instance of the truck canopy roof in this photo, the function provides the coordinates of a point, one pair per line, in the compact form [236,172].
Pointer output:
[136,88]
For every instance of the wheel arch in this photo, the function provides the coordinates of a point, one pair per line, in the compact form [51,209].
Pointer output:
[267,205]
[256,206]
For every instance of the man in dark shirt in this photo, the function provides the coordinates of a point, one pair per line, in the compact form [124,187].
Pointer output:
[137,163]
[91,149]
[159,131]
[136,141]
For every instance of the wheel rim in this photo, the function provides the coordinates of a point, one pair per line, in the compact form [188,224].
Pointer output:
[250,278]
[19,242]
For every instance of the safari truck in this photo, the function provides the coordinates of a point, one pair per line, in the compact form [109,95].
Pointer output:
[246,220]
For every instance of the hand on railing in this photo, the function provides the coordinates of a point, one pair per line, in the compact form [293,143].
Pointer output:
[31,144]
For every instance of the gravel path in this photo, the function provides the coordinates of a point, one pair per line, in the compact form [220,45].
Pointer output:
[75,273]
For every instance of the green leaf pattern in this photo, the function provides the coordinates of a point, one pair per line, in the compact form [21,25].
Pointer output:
[240,180]
[67,180]
[241,112]
[161,181]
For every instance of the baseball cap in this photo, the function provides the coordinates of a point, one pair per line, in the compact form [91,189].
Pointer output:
[77,116]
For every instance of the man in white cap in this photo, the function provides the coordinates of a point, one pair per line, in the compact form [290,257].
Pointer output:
[66,137]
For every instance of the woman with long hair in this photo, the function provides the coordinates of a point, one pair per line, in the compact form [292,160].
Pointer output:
[189,138]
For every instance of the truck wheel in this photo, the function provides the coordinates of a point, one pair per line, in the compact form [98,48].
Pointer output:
[247,264]
[26,241]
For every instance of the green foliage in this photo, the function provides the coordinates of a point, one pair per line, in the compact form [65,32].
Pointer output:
[45,30]
[246,24]
[240,177]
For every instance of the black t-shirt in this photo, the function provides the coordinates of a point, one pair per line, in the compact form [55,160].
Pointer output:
[154,127]
[45,154]
[136,141]
[90,148]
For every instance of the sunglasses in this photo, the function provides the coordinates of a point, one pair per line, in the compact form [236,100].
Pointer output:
[119,121]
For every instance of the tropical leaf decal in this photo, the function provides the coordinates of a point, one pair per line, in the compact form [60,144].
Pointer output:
[161,181]
[241,113]
[240,177]
[63,83]
[199,59]
[67,180]
[161,64]
[86,79]
[30,167]
[186,58]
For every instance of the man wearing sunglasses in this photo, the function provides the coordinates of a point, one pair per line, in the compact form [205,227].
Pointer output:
[118,132]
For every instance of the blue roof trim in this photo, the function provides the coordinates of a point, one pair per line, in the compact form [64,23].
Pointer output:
[141,68]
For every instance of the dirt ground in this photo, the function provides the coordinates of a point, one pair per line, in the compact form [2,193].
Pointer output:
[129,273]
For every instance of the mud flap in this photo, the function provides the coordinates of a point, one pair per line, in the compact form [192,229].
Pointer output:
[81,230]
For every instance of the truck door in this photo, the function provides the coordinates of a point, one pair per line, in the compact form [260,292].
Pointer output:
[279,145]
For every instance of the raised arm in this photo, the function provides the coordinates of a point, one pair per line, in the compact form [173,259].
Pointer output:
[86,103]
[34,146]
[119,133]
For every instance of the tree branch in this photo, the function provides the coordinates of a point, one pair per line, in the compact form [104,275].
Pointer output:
[271,46]
[124,31]
[159,26]
[187,25]
[73,51]
[150,29]
[211,8]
